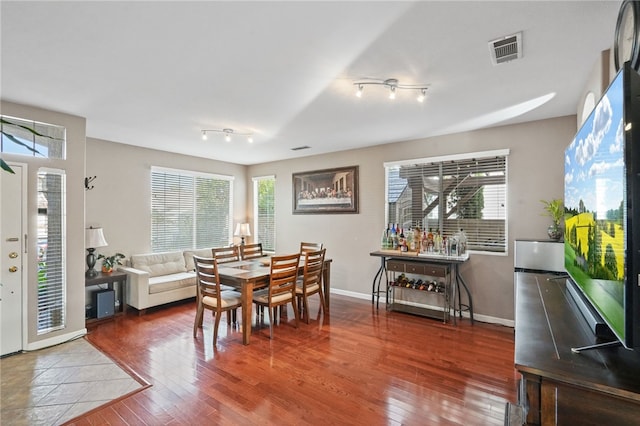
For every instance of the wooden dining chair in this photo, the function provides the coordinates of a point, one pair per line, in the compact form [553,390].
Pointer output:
[250,251]
[226,254]
[211,296]
[310,282]
[281,289]
[310,247]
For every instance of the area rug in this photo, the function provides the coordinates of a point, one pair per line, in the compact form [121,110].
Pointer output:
[54,385]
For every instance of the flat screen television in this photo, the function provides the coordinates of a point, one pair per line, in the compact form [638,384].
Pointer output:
[602,187]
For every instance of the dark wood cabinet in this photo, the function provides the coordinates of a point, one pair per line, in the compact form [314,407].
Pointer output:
[560,387]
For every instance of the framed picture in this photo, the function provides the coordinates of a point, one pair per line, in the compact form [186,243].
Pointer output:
[326,191]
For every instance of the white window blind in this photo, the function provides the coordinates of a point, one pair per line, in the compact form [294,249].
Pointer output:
[449,194]
[190,210]
[264,214]
[51,251]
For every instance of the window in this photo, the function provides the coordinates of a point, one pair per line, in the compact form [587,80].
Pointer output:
[32,138]
[447,194]
[51,250]
[190,210]
[264,211]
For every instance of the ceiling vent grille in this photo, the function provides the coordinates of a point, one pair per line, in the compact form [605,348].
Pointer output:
[298,148]
[506,49]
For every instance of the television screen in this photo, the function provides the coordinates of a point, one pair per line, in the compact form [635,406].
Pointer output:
[595,199]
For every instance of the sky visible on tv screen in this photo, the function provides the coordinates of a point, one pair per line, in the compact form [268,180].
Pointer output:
[594,162]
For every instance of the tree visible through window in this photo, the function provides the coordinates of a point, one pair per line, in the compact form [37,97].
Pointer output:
[447,194]
[264,211]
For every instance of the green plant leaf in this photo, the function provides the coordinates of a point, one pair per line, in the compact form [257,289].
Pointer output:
[6,167]
[28,129]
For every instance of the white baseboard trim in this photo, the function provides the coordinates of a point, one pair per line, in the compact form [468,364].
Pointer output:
[52,341]
[383,299]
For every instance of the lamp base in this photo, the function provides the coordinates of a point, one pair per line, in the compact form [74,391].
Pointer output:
[91,262]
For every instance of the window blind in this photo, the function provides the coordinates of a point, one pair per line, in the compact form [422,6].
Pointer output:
[51,251]
[451,194]
[265,211]
[190,210]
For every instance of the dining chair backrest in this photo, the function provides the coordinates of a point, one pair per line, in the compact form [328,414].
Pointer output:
[310,247]
[207,278]
[313,265]
[284,272]
[249,251]
[226,254]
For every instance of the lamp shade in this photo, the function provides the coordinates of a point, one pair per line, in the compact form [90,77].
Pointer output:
[93,237]
[242,230]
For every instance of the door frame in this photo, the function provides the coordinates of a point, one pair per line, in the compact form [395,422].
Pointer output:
[25,264]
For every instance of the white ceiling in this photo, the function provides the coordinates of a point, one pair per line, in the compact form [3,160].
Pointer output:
[154,74]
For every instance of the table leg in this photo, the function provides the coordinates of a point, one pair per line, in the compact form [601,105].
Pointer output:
[326,282]
[470,307]
[375,289]
[247,306]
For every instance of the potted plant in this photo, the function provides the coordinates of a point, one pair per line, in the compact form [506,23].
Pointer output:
[555,210]
[109,262]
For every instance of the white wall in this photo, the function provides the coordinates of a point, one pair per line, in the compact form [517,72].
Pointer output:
[536,171]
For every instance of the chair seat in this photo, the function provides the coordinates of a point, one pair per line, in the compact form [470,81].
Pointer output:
[310,288]
[262,297]
[228,298]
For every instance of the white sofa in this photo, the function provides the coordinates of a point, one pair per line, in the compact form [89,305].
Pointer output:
[158,278]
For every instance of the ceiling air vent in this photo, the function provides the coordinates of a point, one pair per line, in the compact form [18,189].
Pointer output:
[506,49]
[298,148]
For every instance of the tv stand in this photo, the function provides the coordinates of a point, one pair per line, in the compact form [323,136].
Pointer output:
[596,346]
[559,386]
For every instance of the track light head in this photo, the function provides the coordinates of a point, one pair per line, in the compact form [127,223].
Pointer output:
[422,96]
[227,134]
[393,85]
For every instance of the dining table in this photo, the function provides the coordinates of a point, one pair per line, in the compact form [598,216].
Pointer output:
[251,274]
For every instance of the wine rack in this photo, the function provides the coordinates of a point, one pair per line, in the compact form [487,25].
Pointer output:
[419,288]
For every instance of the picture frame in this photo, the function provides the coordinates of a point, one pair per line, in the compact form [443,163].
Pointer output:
[326,191]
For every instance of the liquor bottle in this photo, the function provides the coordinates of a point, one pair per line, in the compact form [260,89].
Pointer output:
[424,242]
[401,241]
[394,237]
[462,242]
[410,241]
[416,239]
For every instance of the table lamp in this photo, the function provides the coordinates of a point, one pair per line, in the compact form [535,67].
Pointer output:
[93,238]
[242,230]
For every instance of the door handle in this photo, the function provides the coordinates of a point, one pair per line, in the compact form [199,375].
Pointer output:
[13,269]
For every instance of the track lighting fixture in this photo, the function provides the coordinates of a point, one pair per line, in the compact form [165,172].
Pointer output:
[227,134]
[393,85]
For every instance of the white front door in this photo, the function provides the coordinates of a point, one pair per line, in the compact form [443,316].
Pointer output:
[12,257]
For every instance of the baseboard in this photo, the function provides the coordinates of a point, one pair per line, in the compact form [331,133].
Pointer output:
[56,340]
[383,299]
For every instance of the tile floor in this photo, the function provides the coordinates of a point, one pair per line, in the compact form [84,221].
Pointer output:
[54,385]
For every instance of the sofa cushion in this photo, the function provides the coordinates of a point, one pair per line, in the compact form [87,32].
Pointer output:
[164,283]
[188,257]
[157,264]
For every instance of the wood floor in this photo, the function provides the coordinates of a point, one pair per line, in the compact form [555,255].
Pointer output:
[356,366]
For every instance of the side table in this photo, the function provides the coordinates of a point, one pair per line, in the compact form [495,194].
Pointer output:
[110,280]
